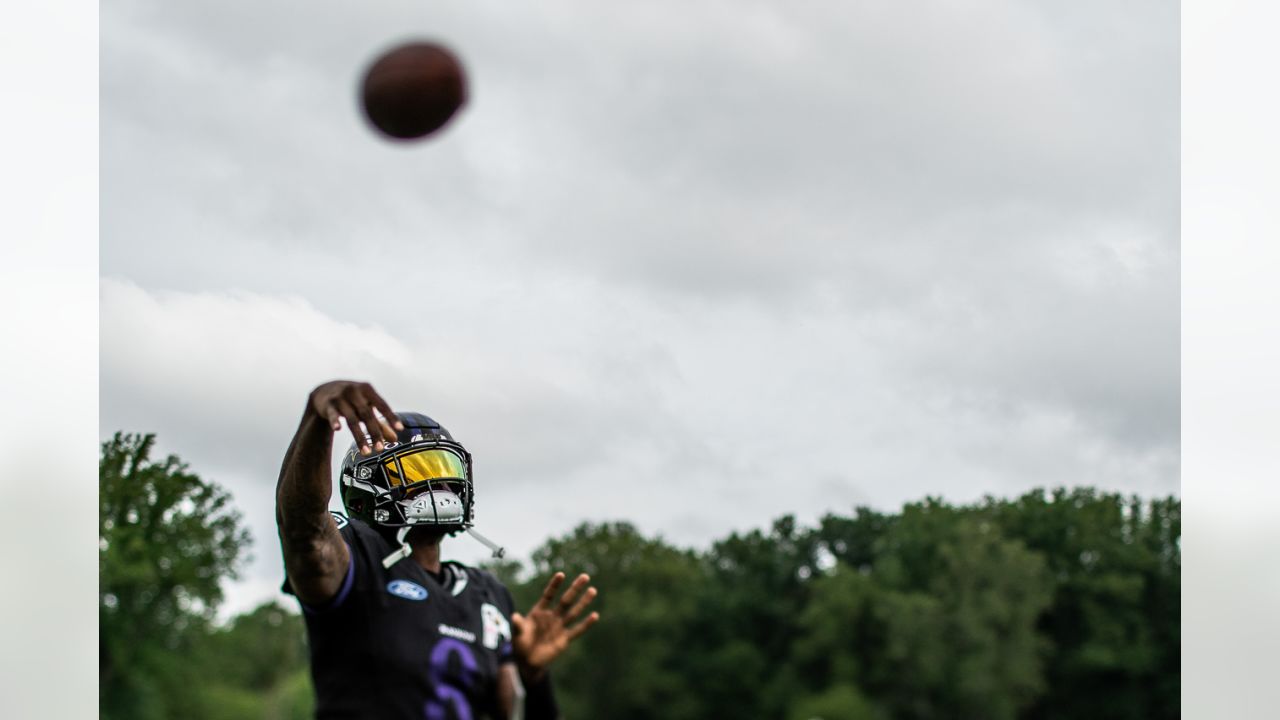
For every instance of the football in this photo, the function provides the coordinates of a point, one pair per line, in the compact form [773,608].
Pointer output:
[412,90]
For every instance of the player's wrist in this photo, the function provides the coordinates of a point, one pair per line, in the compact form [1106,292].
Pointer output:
[540,699]
[529,674]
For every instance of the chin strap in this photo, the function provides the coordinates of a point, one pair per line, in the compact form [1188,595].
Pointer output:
[404,550]
[498,550]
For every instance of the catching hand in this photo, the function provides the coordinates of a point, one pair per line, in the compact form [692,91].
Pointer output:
[547,629]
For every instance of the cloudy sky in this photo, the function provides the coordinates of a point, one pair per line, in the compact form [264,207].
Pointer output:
[691,265]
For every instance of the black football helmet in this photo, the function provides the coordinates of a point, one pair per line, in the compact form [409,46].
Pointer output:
[423,478]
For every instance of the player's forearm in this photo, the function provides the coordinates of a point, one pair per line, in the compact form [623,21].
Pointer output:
[315,557]
[540,700]
[521,696]
[304,488]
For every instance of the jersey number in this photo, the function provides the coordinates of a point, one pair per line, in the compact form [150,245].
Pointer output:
[449,695]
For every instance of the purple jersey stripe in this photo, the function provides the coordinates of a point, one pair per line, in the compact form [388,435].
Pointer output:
[343,592]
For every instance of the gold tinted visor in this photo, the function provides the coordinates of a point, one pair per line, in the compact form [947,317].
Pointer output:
[424,466]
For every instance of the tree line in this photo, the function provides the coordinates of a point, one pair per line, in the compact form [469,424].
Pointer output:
[1055,604]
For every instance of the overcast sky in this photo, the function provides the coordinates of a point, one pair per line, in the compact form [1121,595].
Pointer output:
[691,265]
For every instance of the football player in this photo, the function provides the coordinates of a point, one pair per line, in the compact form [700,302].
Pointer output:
[394,631]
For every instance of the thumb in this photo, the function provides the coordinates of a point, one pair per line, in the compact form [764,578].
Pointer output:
[517,621]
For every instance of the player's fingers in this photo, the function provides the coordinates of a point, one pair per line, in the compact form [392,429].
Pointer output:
[353,424]
[334,417]
[372,425]
[388,433]
[581,605]
[576,631]
[549,593]
[382,407]
[517,624]
[579,584]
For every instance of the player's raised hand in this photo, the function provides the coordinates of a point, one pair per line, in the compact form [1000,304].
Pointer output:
[548,628]
[364,410]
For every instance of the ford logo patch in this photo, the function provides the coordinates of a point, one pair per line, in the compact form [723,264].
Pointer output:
[407,590]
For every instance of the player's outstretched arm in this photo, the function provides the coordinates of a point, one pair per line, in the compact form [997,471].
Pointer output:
[315,557]
[549,627]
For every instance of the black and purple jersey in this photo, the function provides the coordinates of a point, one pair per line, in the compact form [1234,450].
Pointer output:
[402,643]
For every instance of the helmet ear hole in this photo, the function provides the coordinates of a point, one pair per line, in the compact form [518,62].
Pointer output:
[357,505]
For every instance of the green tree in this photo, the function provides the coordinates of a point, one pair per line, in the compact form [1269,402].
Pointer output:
[854,541]
[630,666]
[166,539]
[257,650]
[294,699]
[959,605]
[748,617]
[1114,622]
[838,634]
[839,702]
[255,666]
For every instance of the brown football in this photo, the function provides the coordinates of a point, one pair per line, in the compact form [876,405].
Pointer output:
[412,90]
